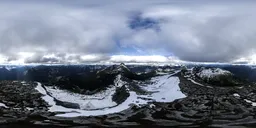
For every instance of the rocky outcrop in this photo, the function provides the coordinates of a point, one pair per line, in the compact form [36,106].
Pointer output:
[217,77]
[120,95]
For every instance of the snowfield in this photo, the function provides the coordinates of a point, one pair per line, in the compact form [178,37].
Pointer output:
[132,99]
[90,102]
[164,89]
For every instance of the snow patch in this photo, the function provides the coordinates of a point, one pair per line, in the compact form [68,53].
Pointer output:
[248,101]
[198,83]
[152,106]
[30,109]
[45,97]
[118,82]
[236,95]
[195,82]
[3,105]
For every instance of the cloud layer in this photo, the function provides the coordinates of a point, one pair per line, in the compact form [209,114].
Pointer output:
[60,31]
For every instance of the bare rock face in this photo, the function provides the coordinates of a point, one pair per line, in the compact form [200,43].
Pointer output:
[120,95]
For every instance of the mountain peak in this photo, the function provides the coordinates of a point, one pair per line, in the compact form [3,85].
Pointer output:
[123,67]
[116,69]
[122,64]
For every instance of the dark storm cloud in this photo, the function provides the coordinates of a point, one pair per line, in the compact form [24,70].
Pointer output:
[94,31]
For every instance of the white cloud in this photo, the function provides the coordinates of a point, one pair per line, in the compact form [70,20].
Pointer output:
[246,60]
[142,59]
[31,58]
[3,59]
[95,31]
[202,33]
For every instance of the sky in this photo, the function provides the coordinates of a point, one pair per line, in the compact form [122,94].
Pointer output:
[138,31]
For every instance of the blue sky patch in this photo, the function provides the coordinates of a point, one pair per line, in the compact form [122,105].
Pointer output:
[138,22]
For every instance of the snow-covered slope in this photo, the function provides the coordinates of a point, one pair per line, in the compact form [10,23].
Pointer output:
[86,102]
[100,100]
[212,72]
[132,99]
[164,89]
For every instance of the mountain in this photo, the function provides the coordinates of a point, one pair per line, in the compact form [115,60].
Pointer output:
[84,80]
[127,96]
[217,76]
